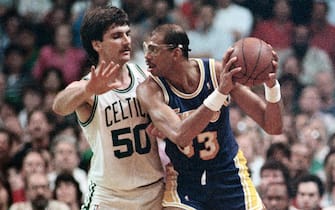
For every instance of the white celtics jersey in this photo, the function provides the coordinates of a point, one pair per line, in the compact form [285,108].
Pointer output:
[124,157]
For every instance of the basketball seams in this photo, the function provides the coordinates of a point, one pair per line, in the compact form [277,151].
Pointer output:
[255,58]
[249,76]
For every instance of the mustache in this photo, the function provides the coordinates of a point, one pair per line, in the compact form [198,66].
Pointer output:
[126,48]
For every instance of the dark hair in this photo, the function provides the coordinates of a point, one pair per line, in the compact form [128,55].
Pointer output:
[14,48]
[58,73]
[68,178]
[49,116]
[311,178]
[96,22]
[175,35]
[279,146]
[277,165]
[33,87]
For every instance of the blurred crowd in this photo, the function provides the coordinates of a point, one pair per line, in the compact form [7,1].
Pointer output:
[41,52]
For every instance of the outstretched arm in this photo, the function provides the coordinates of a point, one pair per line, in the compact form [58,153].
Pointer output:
[78,96]
[182,130]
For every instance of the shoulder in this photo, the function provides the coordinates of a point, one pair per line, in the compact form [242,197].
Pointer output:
[150,83]
[149,88]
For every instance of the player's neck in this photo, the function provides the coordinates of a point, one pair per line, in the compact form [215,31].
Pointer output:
[124,76]
[186,77]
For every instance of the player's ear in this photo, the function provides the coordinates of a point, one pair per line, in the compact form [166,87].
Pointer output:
[96,45]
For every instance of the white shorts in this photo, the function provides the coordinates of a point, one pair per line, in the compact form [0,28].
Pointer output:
[148,197]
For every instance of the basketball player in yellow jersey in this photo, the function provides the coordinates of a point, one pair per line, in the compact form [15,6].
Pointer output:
[126,172]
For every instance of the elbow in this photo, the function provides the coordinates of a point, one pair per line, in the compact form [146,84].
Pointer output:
[58,110]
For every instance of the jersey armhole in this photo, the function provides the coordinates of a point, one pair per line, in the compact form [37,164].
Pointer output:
[211,64]
[164,91]
[90,118]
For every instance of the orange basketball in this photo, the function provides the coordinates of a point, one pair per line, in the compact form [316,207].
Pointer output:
[255,57]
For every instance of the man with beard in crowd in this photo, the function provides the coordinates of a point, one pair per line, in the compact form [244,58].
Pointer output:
[39,195]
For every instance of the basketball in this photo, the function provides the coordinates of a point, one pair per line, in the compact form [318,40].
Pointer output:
[255,57]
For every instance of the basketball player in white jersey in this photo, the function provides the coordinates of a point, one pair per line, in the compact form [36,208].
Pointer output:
[126,172]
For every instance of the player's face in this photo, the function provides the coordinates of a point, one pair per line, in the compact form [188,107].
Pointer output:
[115,45]
[158,55]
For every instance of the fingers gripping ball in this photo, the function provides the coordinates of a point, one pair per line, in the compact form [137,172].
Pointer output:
[255,57]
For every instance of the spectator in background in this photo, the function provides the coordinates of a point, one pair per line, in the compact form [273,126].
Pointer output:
[279,151]
[322,31]
[67,190]
[290,89]
[27,39]
[300,161]
[32,96]
[309,103]
[17,76]
[325,83]
[310,189]
[52,81]
[66,158]
[234,19]
[33,162]
[61,54]
[216,42]
[272,171]
[11,24]
[276,196]
[312,59]
[39,128]
[276,30]
[45,29]
[39,195]
[315,136]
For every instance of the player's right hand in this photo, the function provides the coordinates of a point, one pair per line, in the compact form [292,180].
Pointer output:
[103,78]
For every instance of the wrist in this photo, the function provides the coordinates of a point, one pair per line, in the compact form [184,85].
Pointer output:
[273,94]
[215,100]
[88,91]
